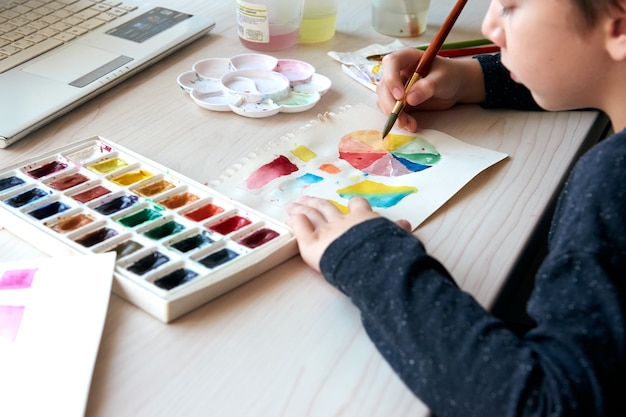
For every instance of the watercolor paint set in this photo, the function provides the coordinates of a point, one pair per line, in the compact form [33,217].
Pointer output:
[179,243]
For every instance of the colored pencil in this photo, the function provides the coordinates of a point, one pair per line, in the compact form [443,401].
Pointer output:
[423,66]
[444,47]
[453,53]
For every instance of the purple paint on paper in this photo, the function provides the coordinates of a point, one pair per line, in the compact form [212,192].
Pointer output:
[10,320]
[17,279]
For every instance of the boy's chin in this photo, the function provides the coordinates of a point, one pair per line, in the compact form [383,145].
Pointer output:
[547,104]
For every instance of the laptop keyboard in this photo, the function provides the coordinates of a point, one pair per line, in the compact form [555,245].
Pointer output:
[29,28]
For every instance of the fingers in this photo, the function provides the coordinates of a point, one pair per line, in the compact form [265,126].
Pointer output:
[317,223]
[357,204]
[317,209]
[407,122]
[402,62]
[405,225]
[398,67]
[300,223]
[318,212]
[420,93]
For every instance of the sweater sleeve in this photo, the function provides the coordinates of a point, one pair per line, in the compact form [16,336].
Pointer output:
[460,359]
[445,347]
[500,89]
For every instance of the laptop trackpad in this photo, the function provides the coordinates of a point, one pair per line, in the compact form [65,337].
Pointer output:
[77,64]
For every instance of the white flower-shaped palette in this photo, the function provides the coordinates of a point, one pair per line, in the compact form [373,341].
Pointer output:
[254,85]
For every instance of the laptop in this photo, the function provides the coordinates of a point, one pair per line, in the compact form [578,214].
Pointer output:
[76,49]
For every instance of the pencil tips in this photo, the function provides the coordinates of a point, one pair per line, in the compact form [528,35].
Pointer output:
[390,122]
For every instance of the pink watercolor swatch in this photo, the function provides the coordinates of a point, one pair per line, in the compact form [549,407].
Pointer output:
[10,320]
[17,279]
[277,168]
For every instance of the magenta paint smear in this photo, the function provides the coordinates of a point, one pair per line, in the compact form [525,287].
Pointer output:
[90,153]
[277,168]
[17,279]
[10,320]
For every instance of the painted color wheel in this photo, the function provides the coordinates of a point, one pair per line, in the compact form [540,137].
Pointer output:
[397,155]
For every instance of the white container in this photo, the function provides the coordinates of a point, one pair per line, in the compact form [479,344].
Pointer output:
[400,18]
[319,19]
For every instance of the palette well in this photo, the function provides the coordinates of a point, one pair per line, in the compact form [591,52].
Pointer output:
[179,243]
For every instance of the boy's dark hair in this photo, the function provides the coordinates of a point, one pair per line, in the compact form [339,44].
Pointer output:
[591,10]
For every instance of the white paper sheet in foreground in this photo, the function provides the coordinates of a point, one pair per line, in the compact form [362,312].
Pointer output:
[52,313]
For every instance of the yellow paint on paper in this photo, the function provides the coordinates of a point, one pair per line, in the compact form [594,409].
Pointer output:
[371,187]
[303,153]
[394,141]
[341,207]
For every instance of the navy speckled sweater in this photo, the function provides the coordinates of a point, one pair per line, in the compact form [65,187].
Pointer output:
[461,360]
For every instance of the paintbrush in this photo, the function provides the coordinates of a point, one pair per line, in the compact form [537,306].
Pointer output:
[424,64]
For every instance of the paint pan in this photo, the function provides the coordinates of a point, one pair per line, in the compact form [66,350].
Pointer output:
[179,243]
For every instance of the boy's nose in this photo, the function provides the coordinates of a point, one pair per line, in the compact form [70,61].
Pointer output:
[491,27]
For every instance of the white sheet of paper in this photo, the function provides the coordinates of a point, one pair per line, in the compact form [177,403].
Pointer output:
[47,357]
[416,194]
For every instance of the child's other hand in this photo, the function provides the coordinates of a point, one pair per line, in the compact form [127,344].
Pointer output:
[450,81]
[317,223]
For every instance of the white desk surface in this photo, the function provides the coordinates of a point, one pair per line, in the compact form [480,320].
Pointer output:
[287,343]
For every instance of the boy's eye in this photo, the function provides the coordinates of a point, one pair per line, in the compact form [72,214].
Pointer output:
[507,7]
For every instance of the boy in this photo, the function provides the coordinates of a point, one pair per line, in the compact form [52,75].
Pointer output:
[455,356]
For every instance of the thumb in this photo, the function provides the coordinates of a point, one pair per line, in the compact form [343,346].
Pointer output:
[405,225]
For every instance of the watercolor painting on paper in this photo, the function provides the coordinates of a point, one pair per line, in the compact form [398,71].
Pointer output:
[52,313]
[405,176]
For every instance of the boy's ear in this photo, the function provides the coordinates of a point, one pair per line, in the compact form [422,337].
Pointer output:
[616,36]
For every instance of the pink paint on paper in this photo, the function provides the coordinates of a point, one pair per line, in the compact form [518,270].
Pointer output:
[10,320]
[277,168]
[17,279]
